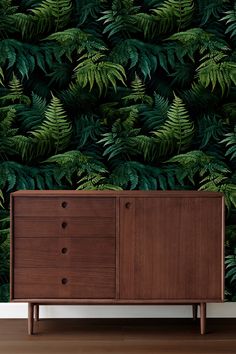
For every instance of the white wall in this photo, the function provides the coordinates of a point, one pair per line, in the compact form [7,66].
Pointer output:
[19,310]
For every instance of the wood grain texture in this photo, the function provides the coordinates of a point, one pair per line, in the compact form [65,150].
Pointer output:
[64,253]
[64,227]
[79,283]
[123,193]
[171,248]
[73,207]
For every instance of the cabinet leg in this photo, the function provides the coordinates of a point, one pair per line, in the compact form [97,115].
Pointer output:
[30,318]
[195,311]
[36,312]
[203,317]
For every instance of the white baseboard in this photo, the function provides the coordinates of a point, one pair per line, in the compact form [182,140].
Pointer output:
[19,310]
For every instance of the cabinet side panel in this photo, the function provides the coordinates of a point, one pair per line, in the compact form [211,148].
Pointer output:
[11,245]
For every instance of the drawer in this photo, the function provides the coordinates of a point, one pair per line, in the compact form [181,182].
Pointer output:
[64,206]
[64,227]
[51,283]
[64,252]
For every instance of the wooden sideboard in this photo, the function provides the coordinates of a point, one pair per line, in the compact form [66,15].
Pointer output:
[117,247]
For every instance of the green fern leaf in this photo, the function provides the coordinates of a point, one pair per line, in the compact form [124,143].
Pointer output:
[120,18]
[15,92]
[177,131]
[230,141]
[1,76]
[215,69]
[87,9]
[55,129]
[167,16]
[230,19]
[138,93]
[95,70]
[210,9]
[32,116]
[154,118]
[75,40]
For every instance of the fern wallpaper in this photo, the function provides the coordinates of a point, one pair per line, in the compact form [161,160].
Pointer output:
[118,94]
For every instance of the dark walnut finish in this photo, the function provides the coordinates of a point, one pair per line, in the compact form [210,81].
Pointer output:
[122,247]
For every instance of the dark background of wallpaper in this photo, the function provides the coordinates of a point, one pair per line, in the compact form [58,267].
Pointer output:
[98,94]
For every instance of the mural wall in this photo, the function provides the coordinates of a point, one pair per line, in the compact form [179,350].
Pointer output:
[118,94]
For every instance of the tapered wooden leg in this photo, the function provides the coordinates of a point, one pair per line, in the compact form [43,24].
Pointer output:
[30,318]
[36,312]
[203,317]
[195,311]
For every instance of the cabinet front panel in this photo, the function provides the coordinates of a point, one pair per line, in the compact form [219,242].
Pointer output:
[64,252]
[171,248]
[64,227]
[68,206]
[51,283]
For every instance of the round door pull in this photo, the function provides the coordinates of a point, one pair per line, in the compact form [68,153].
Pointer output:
[128,205]
[64,224]
[64,281]
[64,250]
[64,204]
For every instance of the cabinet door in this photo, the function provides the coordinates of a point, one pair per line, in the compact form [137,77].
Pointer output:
[171,248]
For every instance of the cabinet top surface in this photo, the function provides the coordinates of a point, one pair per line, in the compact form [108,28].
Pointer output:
[122,193]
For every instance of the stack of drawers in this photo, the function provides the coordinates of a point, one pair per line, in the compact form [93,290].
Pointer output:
[64,247]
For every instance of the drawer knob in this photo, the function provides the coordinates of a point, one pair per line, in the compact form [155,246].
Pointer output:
[64,224]
[128,205]
[64,281]
[64,204]
[64,250]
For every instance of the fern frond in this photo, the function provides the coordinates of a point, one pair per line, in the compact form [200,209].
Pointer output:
[87,128]
[53,134]
[24,57]
[7,13]
[94,70]
[230,18]
[198,39]
[96,181]
[215,69]
[218,182]
[198,163]
[7,132]
[48,14]
[167,16]
[177,131]
[1,76]
[121,140]
[210,128]
[154,118]
[133,175]
[1,199]
[230,142]
[75,164]
[120,18]
[210,9]
[32,116]
[15,176]
[199,98]
[16,93]
[138,92]
[75,40]
[88,9]
[55,129]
